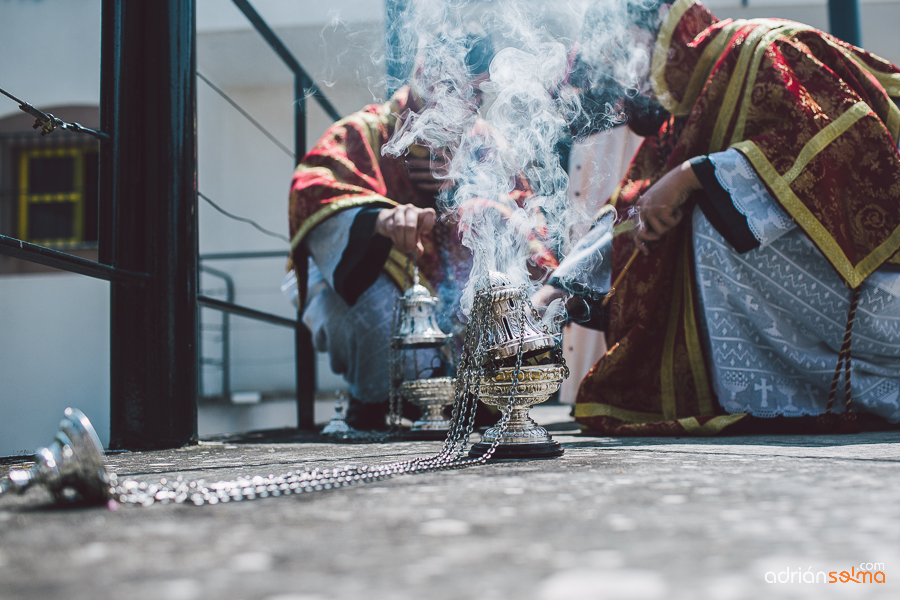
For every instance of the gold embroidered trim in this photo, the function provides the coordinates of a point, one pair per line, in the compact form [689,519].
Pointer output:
[736,83]
[893,122]
[704,67]
[891,84]
[854,276]
[661,54]
[889,81]
[711,427]
[398,268]
[594,409]
[777,32]
[371,121]
[827,135]
[691,424]
[692,339]
[330,209]
[667,370]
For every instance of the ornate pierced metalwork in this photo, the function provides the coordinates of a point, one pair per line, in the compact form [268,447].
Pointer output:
[71,467]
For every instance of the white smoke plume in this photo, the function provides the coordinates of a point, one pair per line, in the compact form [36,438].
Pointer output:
[514,139]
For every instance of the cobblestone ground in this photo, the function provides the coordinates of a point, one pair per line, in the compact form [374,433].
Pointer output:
[613,519]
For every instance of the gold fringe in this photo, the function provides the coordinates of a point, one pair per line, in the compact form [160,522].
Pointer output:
[692,339]
[661,54]
[711,427]
[595,409]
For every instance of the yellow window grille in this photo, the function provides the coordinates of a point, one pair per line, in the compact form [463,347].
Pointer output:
[52,195]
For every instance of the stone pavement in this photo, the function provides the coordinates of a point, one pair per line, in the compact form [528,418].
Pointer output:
[627,518]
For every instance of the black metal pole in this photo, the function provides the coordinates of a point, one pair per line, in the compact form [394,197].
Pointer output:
[154,330]
[304,353]
[843,21]
[109,56]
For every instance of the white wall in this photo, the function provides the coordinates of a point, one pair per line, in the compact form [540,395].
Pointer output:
[49,52]
[879,19]
[54,353]
[246,174]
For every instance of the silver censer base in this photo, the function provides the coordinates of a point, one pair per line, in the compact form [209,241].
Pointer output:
[432,396]
[71,467]
[523,438]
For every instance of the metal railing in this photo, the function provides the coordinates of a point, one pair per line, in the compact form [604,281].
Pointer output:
[225,358]
[228,307]
[303,87]
[147,229]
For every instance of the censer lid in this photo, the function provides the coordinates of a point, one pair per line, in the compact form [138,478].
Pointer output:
[418,293]
[417,325]
[498,279]
[512,323]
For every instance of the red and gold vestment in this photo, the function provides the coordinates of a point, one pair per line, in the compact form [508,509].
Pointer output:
[815,117]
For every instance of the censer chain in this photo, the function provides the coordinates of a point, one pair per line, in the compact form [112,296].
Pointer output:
[471,373]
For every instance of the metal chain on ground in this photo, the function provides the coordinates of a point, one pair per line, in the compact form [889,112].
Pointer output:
[469,377]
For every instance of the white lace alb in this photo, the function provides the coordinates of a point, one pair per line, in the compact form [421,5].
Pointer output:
[766,219]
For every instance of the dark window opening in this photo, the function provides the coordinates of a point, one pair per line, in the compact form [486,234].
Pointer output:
[51,175]
[51,220]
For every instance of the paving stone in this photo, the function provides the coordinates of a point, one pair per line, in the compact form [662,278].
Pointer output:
[629,518]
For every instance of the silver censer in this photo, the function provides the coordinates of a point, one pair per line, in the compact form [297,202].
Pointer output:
[71,467]
[511,323]
[416,327]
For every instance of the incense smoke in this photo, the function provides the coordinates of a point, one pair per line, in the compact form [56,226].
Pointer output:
[509,190]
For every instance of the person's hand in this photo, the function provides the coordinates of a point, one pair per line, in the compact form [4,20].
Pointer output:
[428,174]
[404,225]
[547,294]
[659,208]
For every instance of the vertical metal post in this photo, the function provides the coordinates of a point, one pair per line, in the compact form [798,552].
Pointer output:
[304,353]
[106,207]
[154,329]
[843,21]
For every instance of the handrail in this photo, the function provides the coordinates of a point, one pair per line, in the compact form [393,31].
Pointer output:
[239,255]
[67,262]
[226,330]
[250,313]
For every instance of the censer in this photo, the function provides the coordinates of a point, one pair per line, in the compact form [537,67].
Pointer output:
[415,329]
[521,365]
[509,360]
[71,467]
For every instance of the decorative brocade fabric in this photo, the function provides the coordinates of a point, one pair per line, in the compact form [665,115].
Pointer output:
[346,169]
[815,120]
[813,115]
